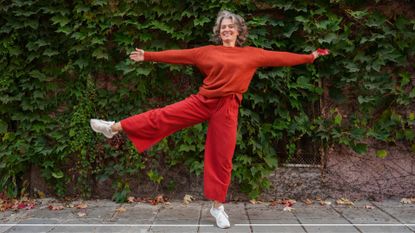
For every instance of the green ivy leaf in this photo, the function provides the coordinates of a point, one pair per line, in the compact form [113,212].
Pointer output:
[360,148]
[338,119]
[99,53]
[290,30]
[382,153]
[329,38]
[61,20]
[49,52]
[3,127]
[58,174]
[201,21]
[270,161]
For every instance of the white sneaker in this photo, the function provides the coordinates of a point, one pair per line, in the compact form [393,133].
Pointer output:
[222,219]
[103,127]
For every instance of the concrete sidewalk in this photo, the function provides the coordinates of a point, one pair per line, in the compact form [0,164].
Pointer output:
[107,216]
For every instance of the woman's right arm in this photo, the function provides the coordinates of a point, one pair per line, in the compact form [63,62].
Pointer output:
[182,56]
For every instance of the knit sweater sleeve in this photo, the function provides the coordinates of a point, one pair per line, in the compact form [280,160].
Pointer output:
[180,56]
[275,58]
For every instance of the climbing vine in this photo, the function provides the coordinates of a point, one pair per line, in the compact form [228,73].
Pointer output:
[64,62]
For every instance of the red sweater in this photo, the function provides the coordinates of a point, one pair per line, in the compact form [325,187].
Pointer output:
[228,70]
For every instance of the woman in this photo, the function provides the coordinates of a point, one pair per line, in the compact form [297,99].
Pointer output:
[229,69]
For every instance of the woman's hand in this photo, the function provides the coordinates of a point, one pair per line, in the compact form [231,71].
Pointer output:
[137,55]
[320,52]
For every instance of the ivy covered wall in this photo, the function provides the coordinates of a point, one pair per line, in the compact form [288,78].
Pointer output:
[64,62]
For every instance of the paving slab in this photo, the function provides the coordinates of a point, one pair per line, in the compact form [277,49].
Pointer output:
[177,217]
[360,215]
[324,215]
[179,212]
[4,229]
[330,229]
[103,216]
[36,225]
[404,213]
[13,216]
[80,229]
[266,218]
[174,229]
[126,229]
[138,213]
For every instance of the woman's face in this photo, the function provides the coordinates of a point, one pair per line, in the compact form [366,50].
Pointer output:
[228,32]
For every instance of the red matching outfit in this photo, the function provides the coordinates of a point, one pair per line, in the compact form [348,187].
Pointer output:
[228,71]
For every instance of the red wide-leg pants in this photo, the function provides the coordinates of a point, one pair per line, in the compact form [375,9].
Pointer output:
[148,128]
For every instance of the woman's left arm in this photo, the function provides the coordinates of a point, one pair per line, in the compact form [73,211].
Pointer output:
[274,58]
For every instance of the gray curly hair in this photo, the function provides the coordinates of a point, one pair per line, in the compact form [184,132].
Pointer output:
[237,20]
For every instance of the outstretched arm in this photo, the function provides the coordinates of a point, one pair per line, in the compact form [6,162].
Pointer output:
[182,56]
[272,58]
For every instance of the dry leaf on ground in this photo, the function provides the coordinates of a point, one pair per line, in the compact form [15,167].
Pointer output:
[344,201]
[159,199]
[81,205]
[187,199]
[369,207]
[288,202]
[274,203]
[288,208]
[325,202]
[308,201]
[408,200]
[81,214]
[120,209]
[41,194]
[131,199]
[70,205]
[15,204]
[56,207]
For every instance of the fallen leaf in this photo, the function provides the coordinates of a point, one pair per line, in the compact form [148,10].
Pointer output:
[187,199]
[288,202]
[369,207]
[344,201]
[274,203]
[6,206]
[308,201]
[159,199]
[81,214]
[121,209]
[408,200]
[131,199]
[21,206]
[288,208]
[325,202]
[56,207]
[81,205]
[41,194]
[70,205]
[30,206]
[252,201]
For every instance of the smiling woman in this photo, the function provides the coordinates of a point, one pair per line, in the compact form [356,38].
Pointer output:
[229,28]
[228,70]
